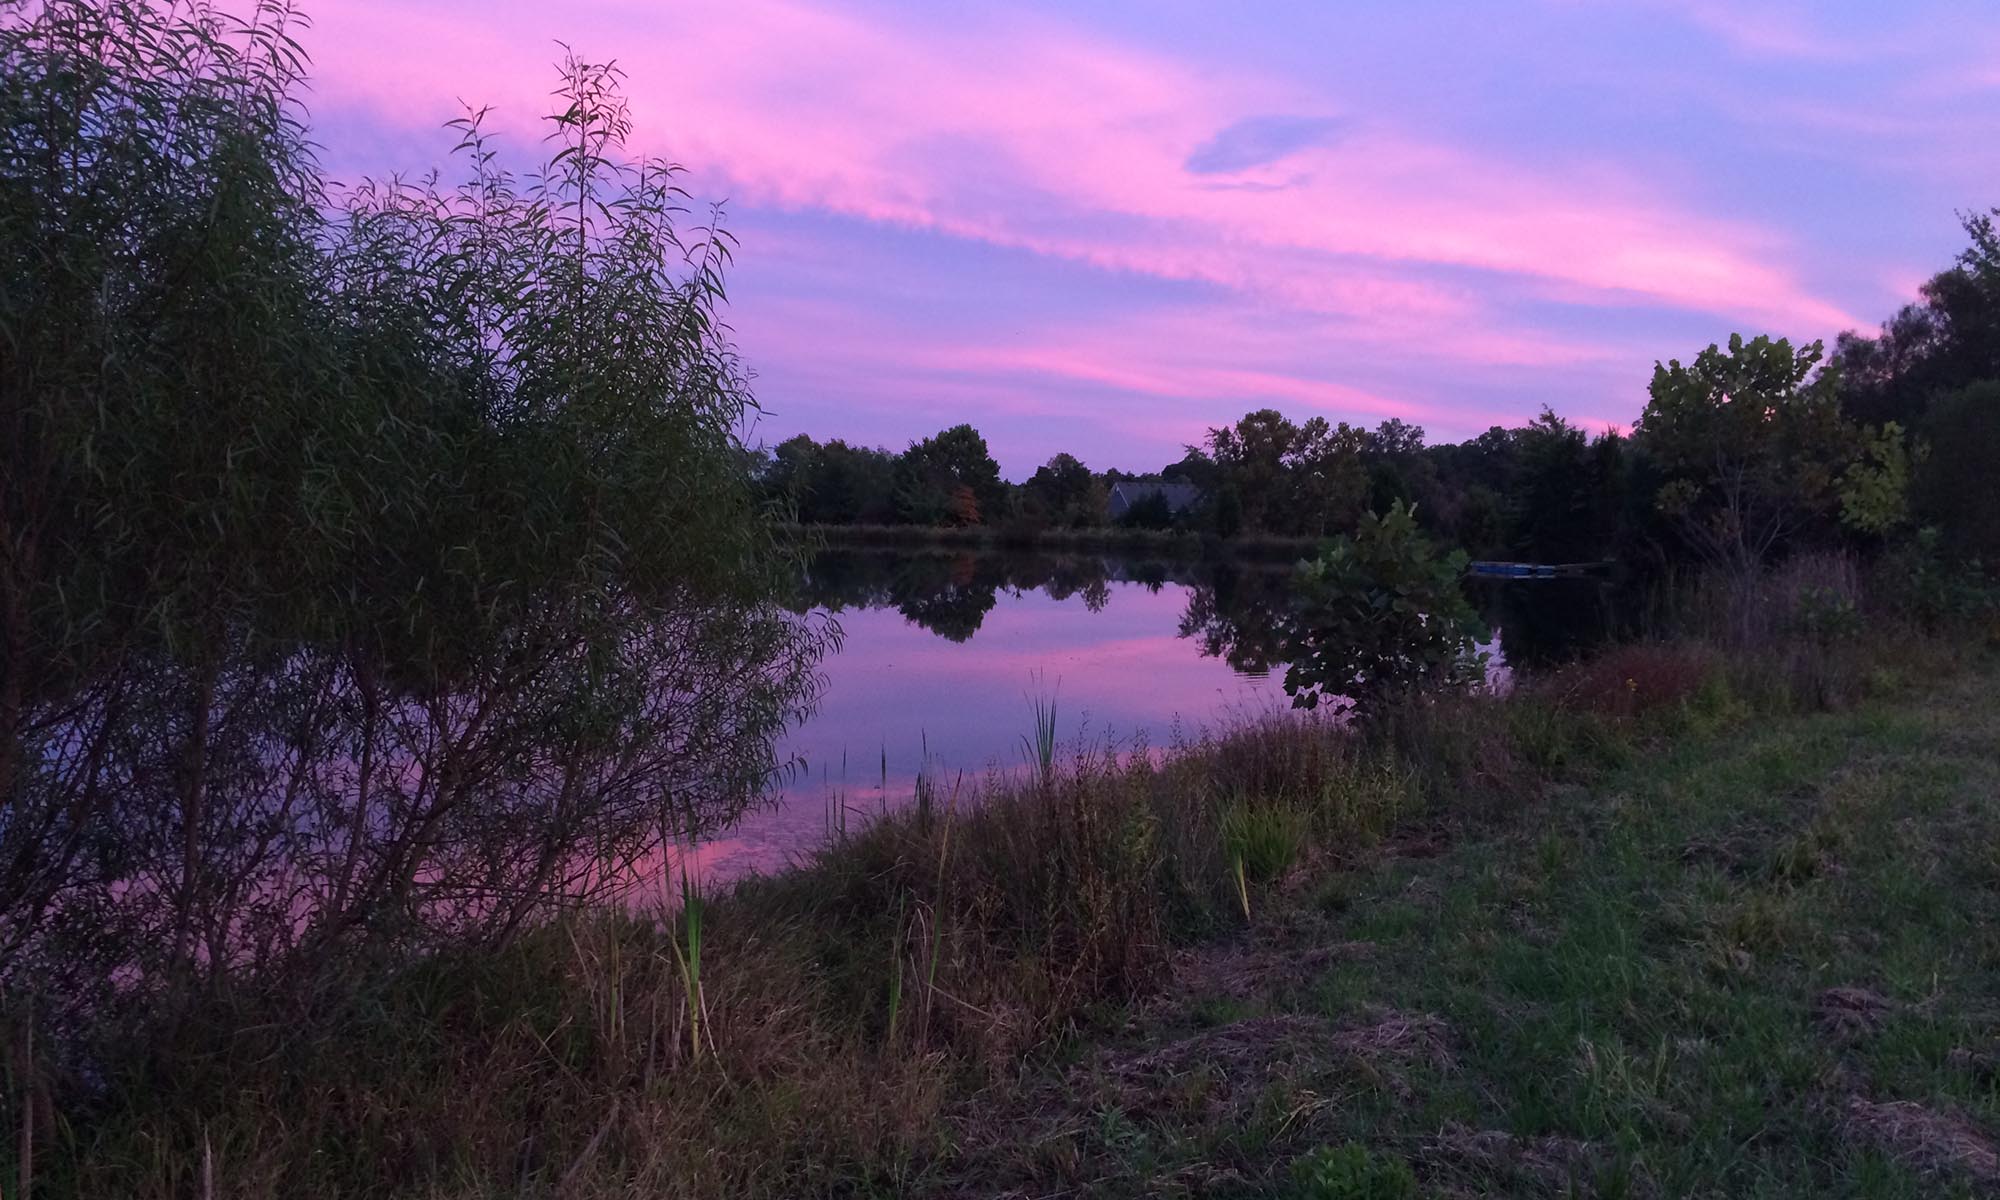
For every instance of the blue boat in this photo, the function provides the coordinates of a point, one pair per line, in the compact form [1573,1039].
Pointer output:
[1516,570]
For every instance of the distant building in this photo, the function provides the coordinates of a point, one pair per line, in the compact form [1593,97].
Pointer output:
[1180,497]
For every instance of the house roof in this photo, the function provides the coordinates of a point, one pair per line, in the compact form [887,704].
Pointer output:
[1179,496]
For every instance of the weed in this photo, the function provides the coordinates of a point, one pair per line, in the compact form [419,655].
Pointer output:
[687,955]
[1041,745]
[1263,840]
[1352,1171]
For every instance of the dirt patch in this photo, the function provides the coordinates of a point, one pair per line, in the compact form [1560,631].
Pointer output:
[1849,1013]
[1240,972]
[1399,1036]
[1233,1059]
[1923,1139]
[1548,1165]
[1215,1070]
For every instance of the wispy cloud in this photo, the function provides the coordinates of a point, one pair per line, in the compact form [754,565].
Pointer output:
[1033,135]
[1422,254]
[1259,141]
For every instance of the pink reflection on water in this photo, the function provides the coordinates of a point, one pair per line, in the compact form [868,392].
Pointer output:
[900,697]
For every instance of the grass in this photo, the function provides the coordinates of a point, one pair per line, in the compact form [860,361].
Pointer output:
[1040,747]
[1761,961]
[687,956]
[1582,937]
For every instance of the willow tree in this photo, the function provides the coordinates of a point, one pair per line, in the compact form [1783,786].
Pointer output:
[376,569]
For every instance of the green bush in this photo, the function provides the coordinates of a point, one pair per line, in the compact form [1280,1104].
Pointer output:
[1351,1171]
[1825,616]
[1954,486]
[1933,587]
[1265,838]
[1380,615]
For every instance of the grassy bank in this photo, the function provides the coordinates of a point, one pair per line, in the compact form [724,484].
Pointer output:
[1756,961]
[1591,934]
[1162,542]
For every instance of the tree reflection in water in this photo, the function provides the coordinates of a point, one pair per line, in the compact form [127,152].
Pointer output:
[1238,610]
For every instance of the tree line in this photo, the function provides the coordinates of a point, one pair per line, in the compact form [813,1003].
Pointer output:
[1748,451]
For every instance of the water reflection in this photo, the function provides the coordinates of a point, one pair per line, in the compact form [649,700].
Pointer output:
[1241,616]
[943,649]
[1236,610]
[940,655]
[950,593]
[1545,623]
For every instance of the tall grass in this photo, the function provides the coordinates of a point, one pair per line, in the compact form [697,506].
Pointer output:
[1263,841]
[1040,745]
[687,955]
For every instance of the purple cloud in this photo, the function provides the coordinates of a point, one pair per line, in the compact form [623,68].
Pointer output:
[1260,141]
[1057,222]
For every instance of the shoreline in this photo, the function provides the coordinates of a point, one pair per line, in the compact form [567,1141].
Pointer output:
[848,1008]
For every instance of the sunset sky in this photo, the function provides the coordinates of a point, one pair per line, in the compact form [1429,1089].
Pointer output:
[1105,225]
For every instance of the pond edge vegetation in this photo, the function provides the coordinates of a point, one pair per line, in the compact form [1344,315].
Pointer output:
[819,1031]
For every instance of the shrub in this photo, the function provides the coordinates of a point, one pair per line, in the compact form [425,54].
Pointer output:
[1825,616]
[1926,584]
[1264,839]
[1352,1171]
[1379,616]
[1626,682]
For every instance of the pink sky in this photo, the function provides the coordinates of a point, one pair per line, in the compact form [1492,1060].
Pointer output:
[1105,226]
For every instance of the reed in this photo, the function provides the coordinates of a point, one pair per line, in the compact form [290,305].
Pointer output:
[687,955]
[896,938]
[1040,745]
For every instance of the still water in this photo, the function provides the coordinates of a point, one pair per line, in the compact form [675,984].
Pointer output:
[945,653]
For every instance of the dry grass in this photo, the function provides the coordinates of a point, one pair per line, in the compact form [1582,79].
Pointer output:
[1931,1142]
[1628,682]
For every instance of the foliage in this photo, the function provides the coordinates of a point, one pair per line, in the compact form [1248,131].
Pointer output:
[1562,499]
[1936,588]
[949,479]
[1942,345]
[1752,445]
[831,484]
[1151,511]
[1956,489]
[1289,479]
[1351,1171]
[1380,614]
[378,569]
[1875,488]
[1063,493]
[1226,517]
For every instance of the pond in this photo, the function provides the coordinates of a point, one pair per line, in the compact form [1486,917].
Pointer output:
[945,654]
